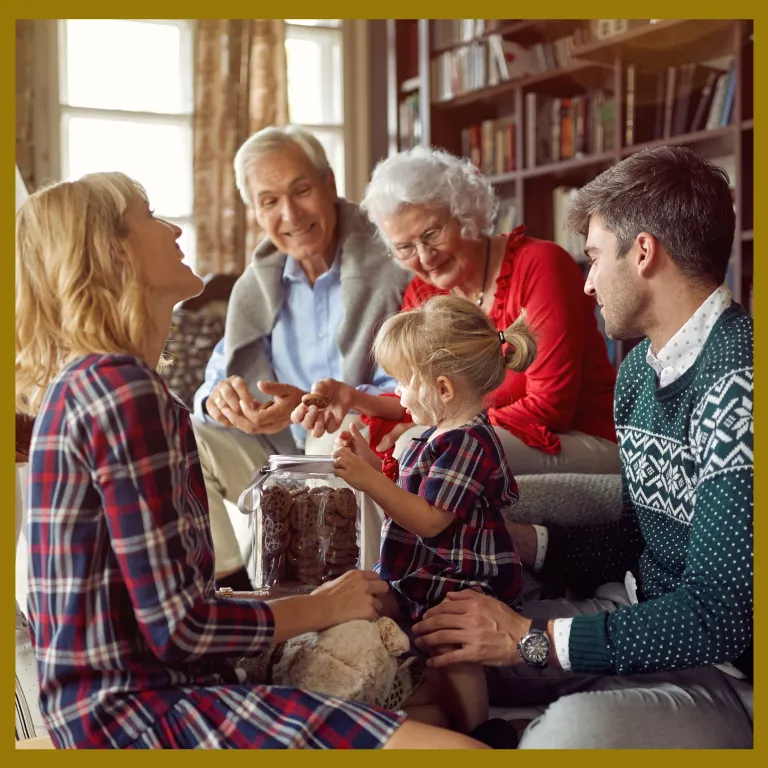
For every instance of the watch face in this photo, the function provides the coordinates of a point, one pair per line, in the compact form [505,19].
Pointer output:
[535,648]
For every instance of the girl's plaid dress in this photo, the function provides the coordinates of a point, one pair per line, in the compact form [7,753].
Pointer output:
[133,647]
[463,471]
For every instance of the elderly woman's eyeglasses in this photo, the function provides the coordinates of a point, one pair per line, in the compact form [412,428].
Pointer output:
[430,239]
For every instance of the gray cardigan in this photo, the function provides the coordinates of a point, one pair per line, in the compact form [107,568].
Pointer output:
[372,288]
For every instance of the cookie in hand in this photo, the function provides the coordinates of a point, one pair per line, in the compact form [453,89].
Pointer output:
[321,401]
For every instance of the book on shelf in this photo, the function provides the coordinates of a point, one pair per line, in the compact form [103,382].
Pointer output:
[490,145]
[559,129]
[572,242]
[506,218]
[410,122]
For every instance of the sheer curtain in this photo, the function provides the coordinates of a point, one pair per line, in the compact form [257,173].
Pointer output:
[240,87]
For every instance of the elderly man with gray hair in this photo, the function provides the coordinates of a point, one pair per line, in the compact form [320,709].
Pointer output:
[305,308]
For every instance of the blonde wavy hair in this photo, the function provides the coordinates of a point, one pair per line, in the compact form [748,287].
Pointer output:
[450,336]
[78,290]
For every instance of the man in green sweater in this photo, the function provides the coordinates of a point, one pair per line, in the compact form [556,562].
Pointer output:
[658,624]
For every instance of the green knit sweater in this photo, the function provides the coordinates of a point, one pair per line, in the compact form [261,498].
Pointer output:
[686,528]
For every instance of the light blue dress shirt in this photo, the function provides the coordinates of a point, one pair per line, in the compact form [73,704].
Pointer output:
[302,347]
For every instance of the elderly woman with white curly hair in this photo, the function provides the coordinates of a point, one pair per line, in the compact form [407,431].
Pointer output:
[435,213]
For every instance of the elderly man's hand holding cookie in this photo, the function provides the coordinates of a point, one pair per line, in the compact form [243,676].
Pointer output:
[324,409]
[232,405]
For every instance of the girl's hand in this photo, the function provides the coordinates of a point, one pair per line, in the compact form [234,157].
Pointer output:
[355,471]
[354,595]
[358,445]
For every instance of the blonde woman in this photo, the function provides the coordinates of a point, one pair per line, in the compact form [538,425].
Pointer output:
[133,645]
[444,529]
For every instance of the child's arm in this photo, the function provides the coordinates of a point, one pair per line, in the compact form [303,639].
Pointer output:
[408,510]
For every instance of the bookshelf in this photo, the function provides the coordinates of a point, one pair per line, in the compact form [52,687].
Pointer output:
[543,106]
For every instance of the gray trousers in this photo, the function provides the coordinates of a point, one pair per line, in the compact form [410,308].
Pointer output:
[699,708]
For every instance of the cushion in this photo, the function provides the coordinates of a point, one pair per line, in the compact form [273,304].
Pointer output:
[193,335]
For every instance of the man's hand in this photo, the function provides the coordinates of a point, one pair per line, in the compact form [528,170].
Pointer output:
[251,417]
[357,472]
[228,394]
[485,630]
[353,440]
[317,422]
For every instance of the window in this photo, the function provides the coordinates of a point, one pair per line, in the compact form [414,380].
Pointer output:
[315,85]
[126,103]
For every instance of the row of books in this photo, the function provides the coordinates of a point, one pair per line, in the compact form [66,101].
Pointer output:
[515,60]
[448,32]
[490,145]
[677,100]
[485,63]
[696,98]
[410,121]
[566,128]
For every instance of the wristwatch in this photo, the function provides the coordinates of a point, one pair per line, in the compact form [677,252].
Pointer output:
[535,647]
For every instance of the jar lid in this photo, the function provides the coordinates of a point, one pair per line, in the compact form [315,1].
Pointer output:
[301,463]
[282,463]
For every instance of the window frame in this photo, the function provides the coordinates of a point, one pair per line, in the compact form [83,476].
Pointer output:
[339,129]
[62,111]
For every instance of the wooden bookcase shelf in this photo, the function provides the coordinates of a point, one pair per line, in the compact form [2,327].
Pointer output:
[675,41]
[456,100]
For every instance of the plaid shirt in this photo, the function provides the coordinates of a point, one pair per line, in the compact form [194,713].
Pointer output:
[133,646]
[463,471]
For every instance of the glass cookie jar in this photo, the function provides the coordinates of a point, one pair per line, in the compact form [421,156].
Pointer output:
[305,523]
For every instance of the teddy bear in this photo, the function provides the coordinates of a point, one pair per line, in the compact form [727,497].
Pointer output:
[356,660]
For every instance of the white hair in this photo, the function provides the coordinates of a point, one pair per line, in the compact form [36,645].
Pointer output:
[430,177]
[269,140]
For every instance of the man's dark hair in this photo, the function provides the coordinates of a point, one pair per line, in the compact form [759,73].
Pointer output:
[671,193]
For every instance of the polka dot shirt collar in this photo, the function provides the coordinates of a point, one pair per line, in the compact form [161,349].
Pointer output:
[681,351]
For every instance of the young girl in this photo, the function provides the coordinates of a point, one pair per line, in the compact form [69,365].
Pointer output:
[133,646]
[445,528]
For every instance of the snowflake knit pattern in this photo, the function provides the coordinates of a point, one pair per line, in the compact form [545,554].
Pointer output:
[686,531]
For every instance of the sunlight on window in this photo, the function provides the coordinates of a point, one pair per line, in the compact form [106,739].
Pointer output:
[333,144]
[158,156]
[131,65]
[315,22]
[314,93]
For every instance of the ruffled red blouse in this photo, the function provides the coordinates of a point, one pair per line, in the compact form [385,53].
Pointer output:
[571,383]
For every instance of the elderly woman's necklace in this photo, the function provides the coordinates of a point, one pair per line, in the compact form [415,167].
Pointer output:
[481,295]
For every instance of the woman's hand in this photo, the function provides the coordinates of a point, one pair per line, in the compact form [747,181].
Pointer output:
[485,630]
[355,471]
[241,411]
[354,595]
[353,440]
[316,421]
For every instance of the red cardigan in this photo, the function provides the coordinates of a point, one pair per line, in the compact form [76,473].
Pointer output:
[570,384]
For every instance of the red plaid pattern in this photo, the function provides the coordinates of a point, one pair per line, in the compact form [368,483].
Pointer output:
[133,646]
[463,471]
